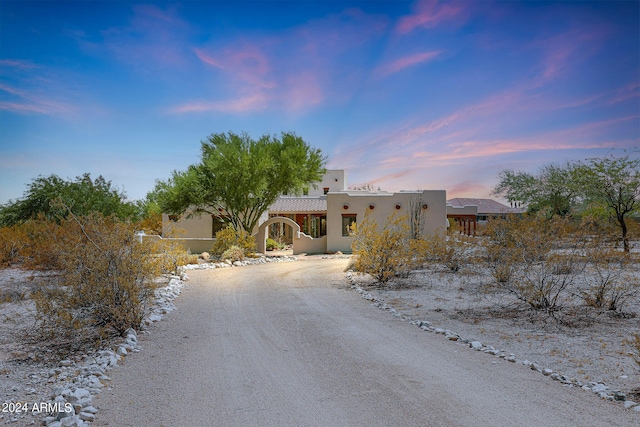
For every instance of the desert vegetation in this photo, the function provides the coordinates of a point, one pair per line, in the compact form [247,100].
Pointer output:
[80,237]
[83,232]
[565,249]
[549,265]
[566,268]
[232,244]
[238,177]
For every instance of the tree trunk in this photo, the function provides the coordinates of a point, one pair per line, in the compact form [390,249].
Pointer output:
[625,239]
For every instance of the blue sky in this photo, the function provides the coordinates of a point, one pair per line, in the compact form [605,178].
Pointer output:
[401,94]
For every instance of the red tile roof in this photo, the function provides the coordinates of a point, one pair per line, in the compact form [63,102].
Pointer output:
[299,205]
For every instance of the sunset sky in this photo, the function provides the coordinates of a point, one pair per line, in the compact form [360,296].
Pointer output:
[403,95]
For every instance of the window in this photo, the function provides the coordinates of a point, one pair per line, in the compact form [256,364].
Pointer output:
[326,190]
[347,220]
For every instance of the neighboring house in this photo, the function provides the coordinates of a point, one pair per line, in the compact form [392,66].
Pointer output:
[319,220]
[468,212]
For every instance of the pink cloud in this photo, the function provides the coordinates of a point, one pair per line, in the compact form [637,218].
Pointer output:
[254,102]
[208,59]
[428,146]
[295,69]
[467,189]
[431,13]
[629,91]
[155,37]
[578,137]
[304,90]
[339,32]
[388,180]
[404,62]
[22,108]
[17,64]
[244,64]
[31,102]
[563,53]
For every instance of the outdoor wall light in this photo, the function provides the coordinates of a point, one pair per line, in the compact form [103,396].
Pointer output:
[345,206]
[398,206]
[372,207]
[425,206]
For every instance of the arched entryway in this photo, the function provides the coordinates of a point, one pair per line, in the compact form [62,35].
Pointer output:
[263,231]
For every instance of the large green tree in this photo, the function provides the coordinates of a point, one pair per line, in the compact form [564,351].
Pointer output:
[606,184]
[238,178]
[553,188]
[53,197]
[613,183]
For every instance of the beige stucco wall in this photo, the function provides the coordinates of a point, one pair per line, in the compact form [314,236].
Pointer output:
[197,226]
[333,179]
[306,244]
[384,205]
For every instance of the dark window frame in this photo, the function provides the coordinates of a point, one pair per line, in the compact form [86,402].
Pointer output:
[346,226]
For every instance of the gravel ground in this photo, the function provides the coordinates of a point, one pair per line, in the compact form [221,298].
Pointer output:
[594,351]
[291,344]
[596,348]
[33,373]
[23,369]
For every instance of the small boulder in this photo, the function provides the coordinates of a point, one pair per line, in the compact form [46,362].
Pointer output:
[599,388]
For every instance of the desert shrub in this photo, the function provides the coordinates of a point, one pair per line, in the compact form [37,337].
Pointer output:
[171,255]
[609,281]
[234,253]
[449,248]
[45,238]
[152,223]
[228,237]
[105,280]
[636,347]
[273,244]
[33,243]
[385,253]
[525,259]
[501,256]
[12,243]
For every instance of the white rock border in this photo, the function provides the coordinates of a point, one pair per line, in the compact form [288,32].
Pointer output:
[72,400]
[247,261]
[599,388]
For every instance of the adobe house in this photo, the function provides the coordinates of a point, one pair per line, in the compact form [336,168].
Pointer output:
[319,220]
[345,208]
[309,211]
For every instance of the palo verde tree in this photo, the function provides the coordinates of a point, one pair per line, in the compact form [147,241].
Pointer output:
[553,188]
[238,178]
[613,183]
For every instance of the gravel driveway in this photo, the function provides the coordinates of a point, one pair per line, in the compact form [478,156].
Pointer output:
[288,344]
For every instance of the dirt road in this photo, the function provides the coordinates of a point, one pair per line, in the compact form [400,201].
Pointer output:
[287,344]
